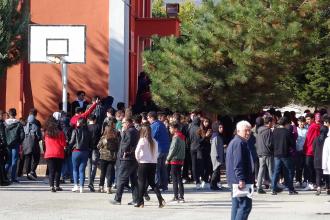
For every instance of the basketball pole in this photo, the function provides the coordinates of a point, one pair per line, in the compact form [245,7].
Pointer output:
[64,85]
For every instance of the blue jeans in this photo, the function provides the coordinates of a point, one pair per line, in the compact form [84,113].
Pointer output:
[287,163]
[79,162]
[161,172]
[67,167]
[241,208]
[12,161]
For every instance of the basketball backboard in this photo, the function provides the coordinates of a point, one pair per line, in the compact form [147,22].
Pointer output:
[47,42]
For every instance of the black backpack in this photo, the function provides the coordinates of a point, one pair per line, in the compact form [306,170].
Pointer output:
[30,142]
[13,134]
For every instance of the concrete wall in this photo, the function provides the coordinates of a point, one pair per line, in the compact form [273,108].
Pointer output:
[42,82]
[119,50]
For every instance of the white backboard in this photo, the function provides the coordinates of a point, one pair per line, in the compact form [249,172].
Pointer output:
[65,41]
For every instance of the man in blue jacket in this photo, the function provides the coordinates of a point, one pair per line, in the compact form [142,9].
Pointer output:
[240,169]
[161,135]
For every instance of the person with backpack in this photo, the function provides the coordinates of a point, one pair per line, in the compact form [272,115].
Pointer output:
[14,137]
[31,149]
[108,147]
[3,152]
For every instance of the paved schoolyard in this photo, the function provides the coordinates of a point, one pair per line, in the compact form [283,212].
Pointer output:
[33,200]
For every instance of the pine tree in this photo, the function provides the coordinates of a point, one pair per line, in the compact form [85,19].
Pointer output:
[234,56]
[313,86]
[158,8]
[14,20]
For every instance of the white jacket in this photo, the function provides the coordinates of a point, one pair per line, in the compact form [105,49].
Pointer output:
[326,156]
[143,154]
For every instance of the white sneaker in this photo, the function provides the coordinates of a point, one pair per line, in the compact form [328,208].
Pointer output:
[219,185]
[81,189]
[75,188]
[198,186]
[309,187]
[203,184]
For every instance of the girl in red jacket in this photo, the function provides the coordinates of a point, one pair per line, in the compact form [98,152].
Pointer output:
[55,143]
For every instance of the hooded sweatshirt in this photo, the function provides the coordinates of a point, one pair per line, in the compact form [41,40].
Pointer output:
[14,132]
[312,133]
[32,136]
[32,128]
[264,141]
[194,137]
[176,153]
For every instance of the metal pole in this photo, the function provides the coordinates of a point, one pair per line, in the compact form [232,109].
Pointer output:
[64,86]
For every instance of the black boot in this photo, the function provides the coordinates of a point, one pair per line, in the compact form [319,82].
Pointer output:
[139,205]
[161,201]
[3,178]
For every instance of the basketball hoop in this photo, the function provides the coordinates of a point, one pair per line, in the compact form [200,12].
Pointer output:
[55,59]
[58,44]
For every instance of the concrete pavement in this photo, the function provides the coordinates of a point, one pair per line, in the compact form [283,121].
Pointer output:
[33,200]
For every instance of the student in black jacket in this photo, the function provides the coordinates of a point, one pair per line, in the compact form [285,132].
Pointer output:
[14,137]
[127,169]
[95,130]
[3,152]
[79,102]
[81,145]
[283,145]
[195,139]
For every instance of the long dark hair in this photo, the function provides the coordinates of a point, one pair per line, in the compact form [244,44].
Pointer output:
[145,132]
[52,127]
[109,132]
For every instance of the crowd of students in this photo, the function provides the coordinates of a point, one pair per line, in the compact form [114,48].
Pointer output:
[154,148]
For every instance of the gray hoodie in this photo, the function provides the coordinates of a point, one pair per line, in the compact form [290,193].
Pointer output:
[32,128]
[264,141]
[14,132]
